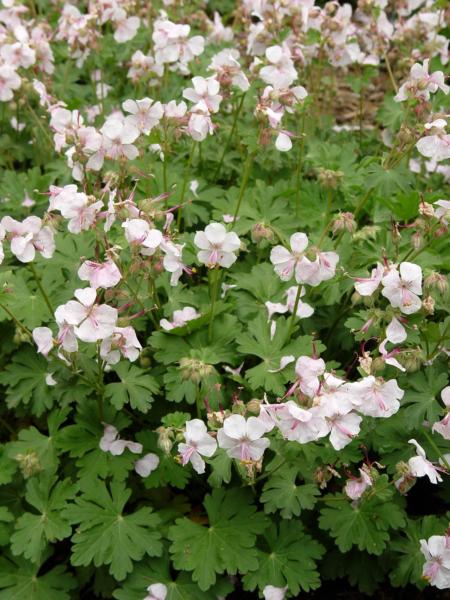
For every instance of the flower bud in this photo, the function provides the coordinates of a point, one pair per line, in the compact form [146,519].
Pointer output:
[417,240]
[254,406]
[426,209]
[164,439]
[260,232]
[195,370]
[29,463]
[365,362]
[428,305]
[356,298]
[329,178]
[405,480]
[344,222]
[411,359]
[437,281]
[378,365]
[215,419]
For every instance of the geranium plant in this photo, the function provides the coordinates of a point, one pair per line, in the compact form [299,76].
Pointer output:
[224,298]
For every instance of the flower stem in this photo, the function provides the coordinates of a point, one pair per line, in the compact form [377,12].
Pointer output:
[101,387]
[391,74]
[41,288]
[237,111]
[185,180]
[436,449]
[245,178]
[299,170]
[214,285]
[294,313]
[15,320]
[198,401]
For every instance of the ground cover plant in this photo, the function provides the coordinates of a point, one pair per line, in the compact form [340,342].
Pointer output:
[224,301]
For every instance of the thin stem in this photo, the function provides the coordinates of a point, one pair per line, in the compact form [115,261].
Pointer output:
[185,180]
[294,313]
[39,123]
[41,288]
[16,320]
[213,293]
[237,111]
[391,74]
[101,387]
[198,401]
[436,449]
[245,178]
[299,170]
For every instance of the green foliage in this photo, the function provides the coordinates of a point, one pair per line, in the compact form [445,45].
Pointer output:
[106,536]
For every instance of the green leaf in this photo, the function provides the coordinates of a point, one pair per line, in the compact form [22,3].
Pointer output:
[106,536]
[19,580]
[366,524]
[282,492]
[420,400]
[25,377]
[288,559]
[221,468]
[34,531]
[136,388]
[225,545]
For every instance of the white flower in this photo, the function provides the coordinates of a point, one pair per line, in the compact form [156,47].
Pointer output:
[270,592]
[197,443]
[147,464]
[285,262]
[145,113]
[204,94]
[180,318]
[91,321]
[217,247]
[122,342]
[156,591]
[420,466]
[281,72]
[43,339]
[375,397]
[111,442]
[436,569]
[443,426]
[403,288]
[243,439]
[366,286]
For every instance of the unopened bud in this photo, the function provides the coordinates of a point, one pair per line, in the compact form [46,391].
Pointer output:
[164,439]
[344,222]
[29,463]
[254,406]
[411,359]
[428,304]
[356,298]
[195,370]
[365,362]
[437,281]
[261,232]
[378,365]
[329,178]
[417,240]
[426,209]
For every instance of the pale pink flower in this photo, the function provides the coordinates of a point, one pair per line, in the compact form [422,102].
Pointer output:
[343,428]
[270,592]
[43,338]
[308,371]
[281,72]
[283,142]
[9,81]
[402,288]
[395,332]
[173,260]
[138,232]
[76,207]
[118,138]
[443,426]
[321,269]
[436,145]
[243,439]
[126,27]
[197,443]
[217,246]
[122,342]
[156,591]
[443,212]
[304,310]
[297,424]
[375,397]
[100,275]
[355,487]
[145,114]
[199,126]
[205,94]
[112,443]
[180,318]
[92,321]
[287,262]
[420,466]
[228,70]
[436,569]
[421,84]
[147,464]
[367,286]
[28,236]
